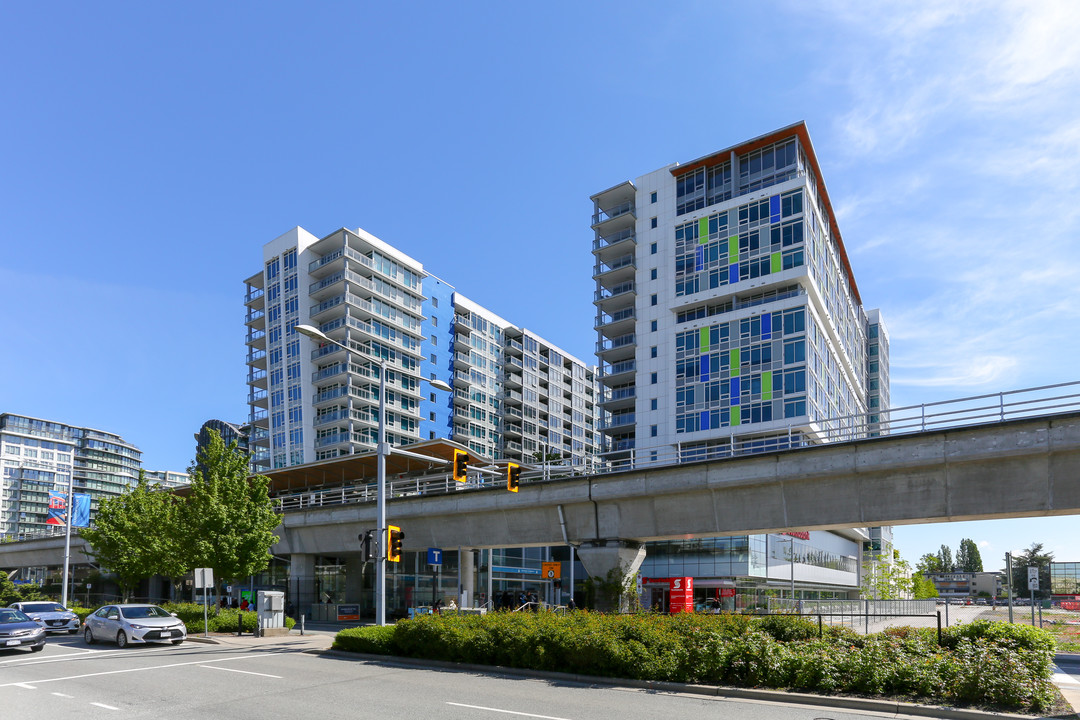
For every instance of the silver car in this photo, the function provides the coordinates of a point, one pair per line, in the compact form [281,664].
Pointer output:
[133,624]
[17,630]
[54,617]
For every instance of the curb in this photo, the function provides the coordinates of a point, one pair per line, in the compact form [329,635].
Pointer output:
[835,701]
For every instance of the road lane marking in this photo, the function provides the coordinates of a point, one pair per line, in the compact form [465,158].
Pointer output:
[246,672]
[63,695]
[103,705]
[141,669]
[508,712]
[86,654]
[24,686]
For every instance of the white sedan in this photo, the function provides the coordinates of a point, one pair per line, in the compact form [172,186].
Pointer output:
[54,617]
[133,624]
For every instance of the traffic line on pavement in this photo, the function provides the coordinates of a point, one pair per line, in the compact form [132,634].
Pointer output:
[103,705]
[63,695]
[24,686]
[139,669]
[246,672]
[508,712]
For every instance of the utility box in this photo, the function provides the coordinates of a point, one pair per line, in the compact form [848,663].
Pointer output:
[271,609]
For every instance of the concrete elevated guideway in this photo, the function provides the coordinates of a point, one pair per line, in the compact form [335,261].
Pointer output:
[1019,468]
[1026,467]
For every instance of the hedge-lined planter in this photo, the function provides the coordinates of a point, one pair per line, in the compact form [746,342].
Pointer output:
[987,664]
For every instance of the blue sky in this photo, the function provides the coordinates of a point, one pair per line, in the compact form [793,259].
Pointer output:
[147,152]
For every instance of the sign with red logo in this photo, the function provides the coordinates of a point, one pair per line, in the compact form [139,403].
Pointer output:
[682,594]
[727,592]
[801,534]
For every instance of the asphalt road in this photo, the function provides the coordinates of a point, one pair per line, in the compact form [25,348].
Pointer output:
[274,679]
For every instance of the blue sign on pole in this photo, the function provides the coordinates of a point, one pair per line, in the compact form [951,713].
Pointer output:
[434,556]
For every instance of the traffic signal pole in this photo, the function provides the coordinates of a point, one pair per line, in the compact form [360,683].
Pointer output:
[380,476]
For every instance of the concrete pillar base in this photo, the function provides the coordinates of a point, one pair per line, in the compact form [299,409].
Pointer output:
[610,564]
[468,578]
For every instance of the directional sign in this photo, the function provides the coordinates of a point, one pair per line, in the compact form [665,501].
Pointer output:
[1033,578]
[551,570]
[434,556]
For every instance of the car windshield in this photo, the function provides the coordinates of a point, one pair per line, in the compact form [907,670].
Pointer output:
[42,607]
[12,616]
[145,611]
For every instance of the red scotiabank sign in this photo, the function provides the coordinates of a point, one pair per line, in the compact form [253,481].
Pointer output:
[801,534]
[727,592]
[682,594]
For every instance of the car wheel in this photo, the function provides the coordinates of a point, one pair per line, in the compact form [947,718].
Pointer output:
[177,642]
[88,636]
[37,648]
[121,640]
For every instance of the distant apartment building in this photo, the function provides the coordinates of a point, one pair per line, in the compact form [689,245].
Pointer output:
[167,478]
[43,455]
[963,585]
[514,394]
[728,321]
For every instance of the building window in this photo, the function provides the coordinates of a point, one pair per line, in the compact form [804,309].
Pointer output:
[434,339]
[653,404]
[434,321]
[652,299]
[432,397]
[652,249]
[652,222]
[652,326]
[652,274]
[652,197]
[653,379]
[652,351]
[434,359]
[434,302]
[652,431]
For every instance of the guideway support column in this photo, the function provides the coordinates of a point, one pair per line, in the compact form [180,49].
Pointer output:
[611,563]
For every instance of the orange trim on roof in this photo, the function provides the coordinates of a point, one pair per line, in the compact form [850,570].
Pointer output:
[799,130]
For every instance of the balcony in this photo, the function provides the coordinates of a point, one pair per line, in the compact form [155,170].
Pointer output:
[257,339]
[254,316]
[620,348]
[618,373]
[617,323]
[622,420]
[257,377]
[615,271]
[607,245]
[616,298]
[619,398]
[255,294]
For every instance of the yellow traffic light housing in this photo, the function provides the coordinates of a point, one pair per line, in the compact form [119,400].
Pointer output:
[513,477]
[461,465]
[394,537]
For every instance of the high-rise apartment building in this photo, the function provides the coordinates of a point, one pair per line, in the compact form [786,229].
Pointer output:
[729,321]
[515,394]
[728,316]
[42,455]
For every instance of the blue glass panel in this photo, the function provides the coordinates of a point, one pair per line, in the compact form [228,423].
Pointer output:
[734,391]
[704,419]
[733,273]
[774,208]
[766,326]
[699,258]
[704,368]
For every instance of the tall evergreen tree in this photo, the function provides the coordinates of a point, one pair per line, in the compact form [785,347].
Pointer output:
[968,558]
[1032,557]
[945,559]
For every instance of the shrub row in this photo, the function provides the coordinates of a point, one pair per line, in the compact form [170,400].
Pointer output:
[987,664]
[218,619]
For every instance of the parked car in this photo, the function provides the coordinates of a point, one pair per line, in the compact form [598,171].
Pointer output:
[54,617]
[18,630]
[133,624]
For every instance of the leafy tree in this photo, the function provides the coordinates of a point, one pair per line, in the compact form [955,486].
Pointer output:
[968,558]
[8,592]
[882,580]
[945,559]
[227,520]
[922,588]
[928,563]
[1032,557]
[133,536]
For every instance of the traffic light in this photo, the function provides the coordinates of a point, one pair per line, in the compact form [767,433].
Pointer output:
[367,545]
[461,465]
[513,477]
[394,537]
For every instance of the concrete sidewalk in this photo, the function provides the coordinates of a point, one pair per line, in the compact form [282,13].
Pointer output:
[311,640]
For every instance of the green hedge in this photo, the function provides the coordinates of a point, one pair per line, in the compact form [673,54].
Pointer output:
[987,664]
[219,619]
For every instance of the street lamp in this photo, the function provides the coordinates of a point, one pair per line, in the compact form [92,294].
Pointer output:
[382,450]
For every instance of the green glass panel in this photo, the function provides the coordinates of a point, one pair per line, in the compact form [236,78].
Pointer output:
[735,362]
[777,264]
[766,385]
[736,415]
[704,339]
[733,248]
[703,231]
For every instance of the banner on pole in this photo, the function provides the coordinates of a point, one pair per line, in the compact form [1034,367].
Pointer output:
[80,511]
